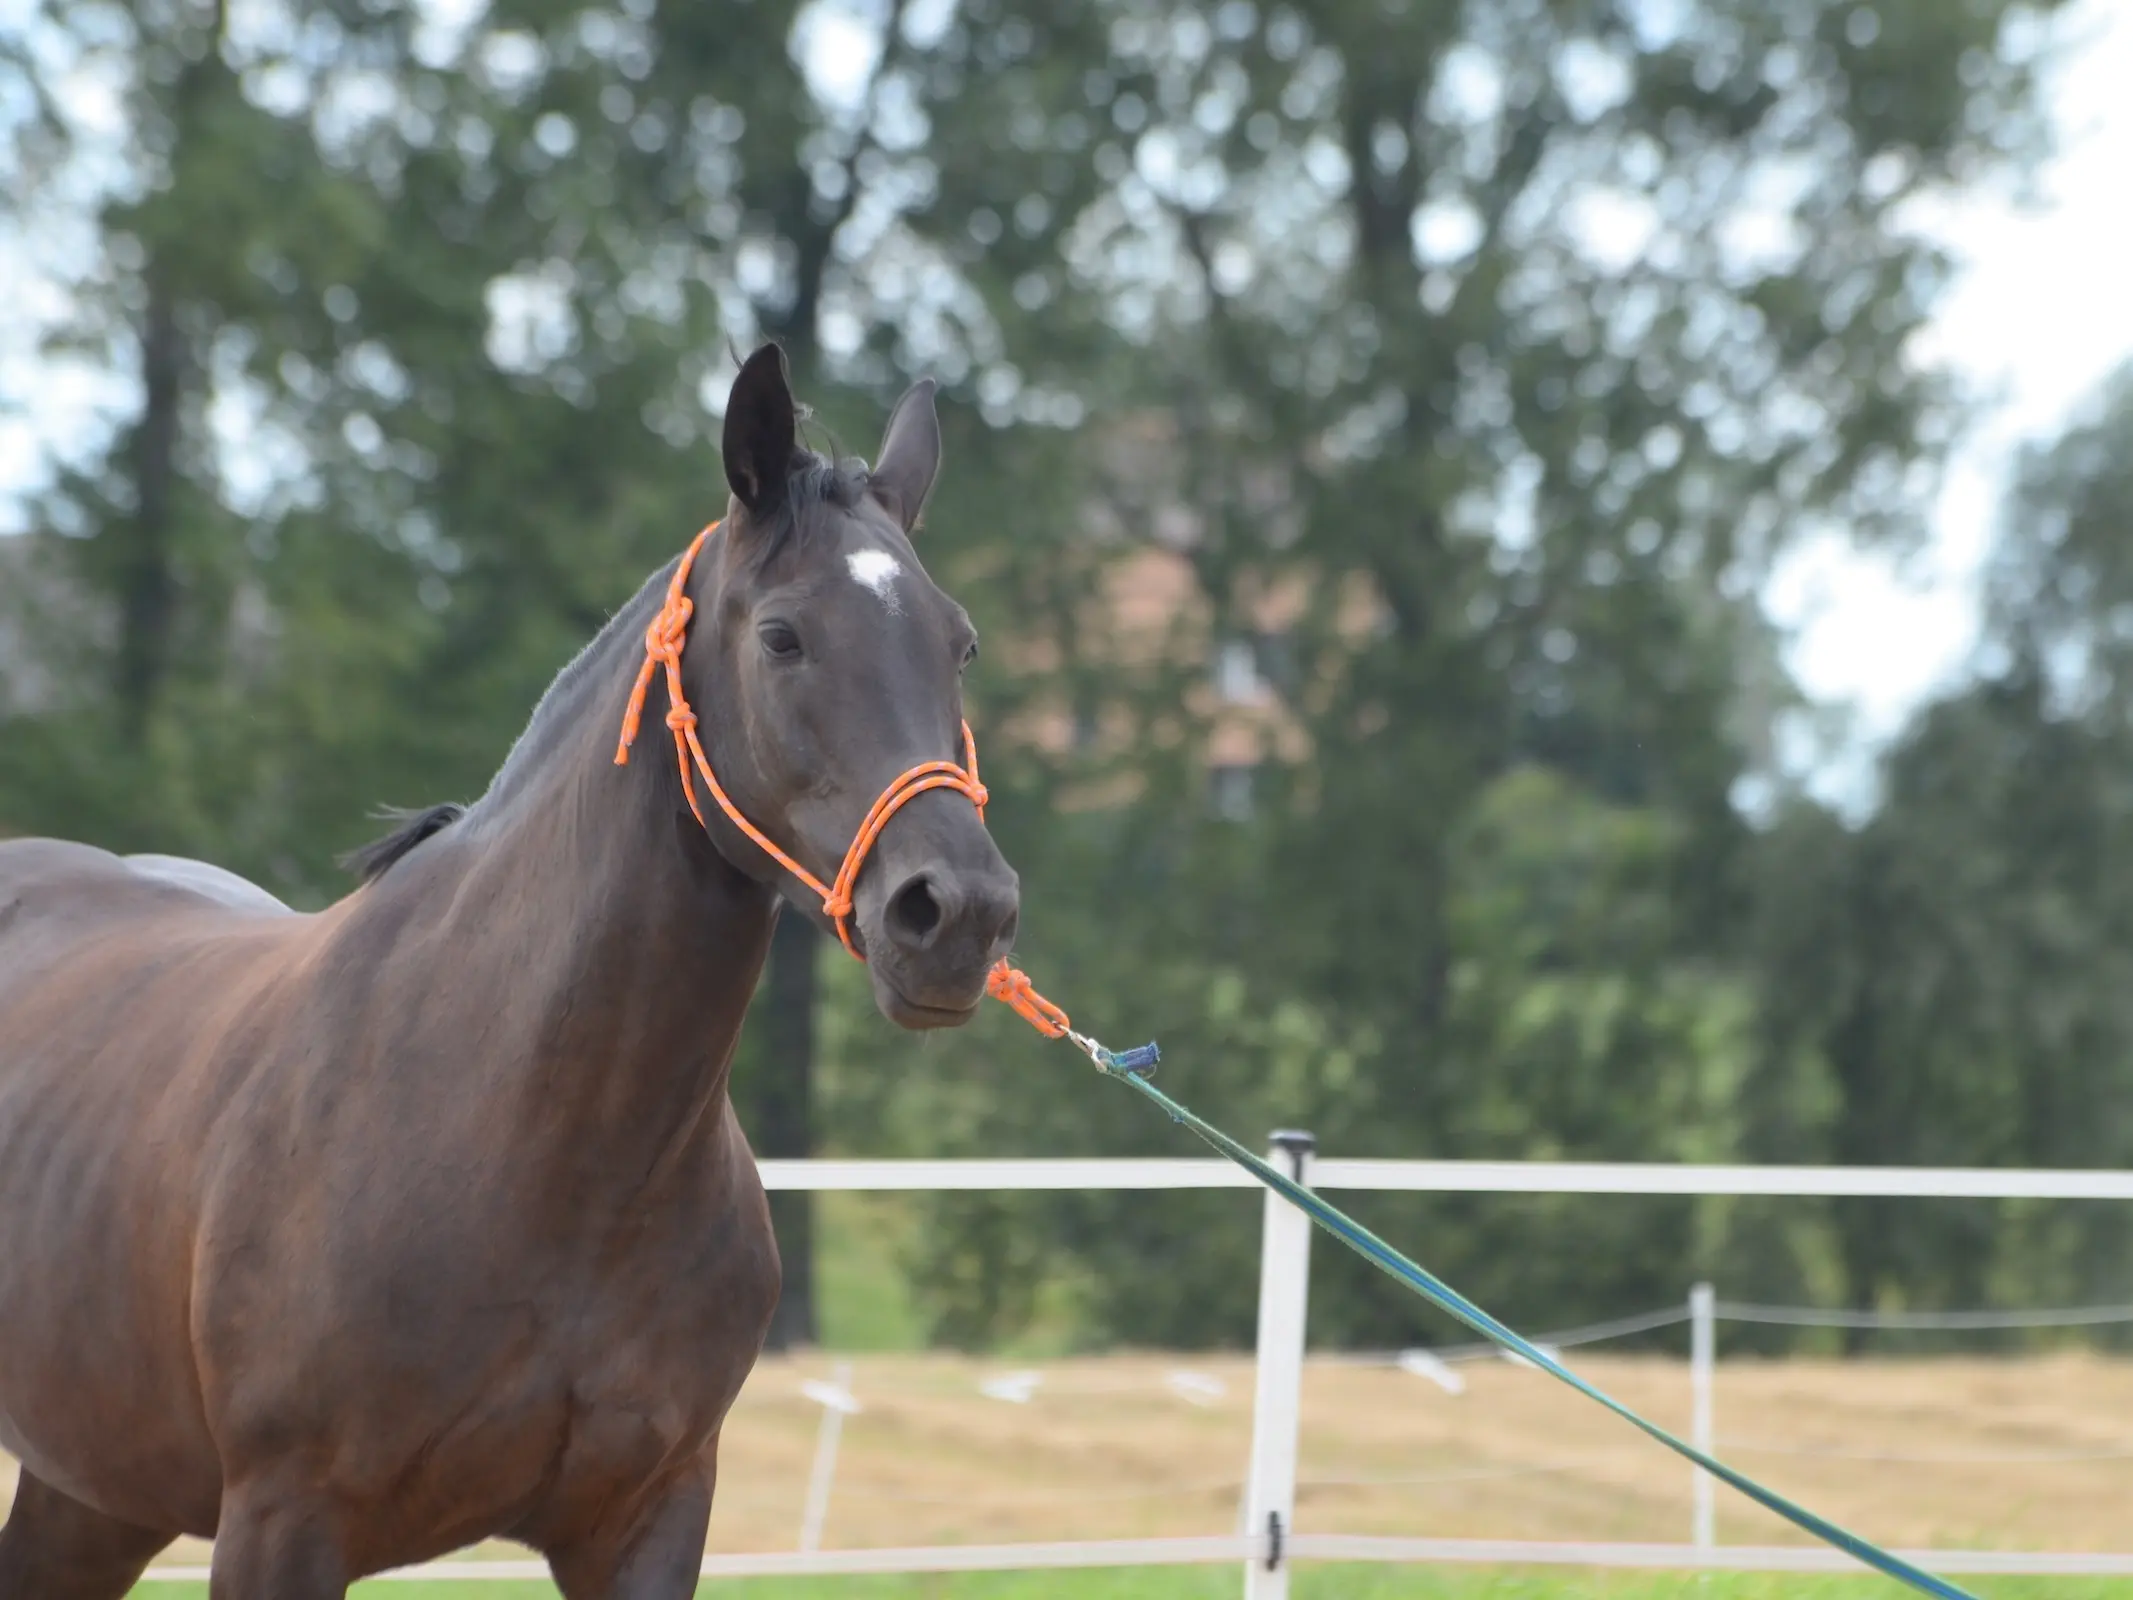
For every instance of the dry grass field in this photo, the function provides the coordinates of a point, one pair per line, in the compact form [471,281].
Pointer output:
[2011,1454]
[2014,1454]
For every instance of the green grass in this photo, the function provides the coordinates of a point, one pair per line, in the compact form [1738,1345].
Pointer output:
[863,1298]
[1312,1583]
[861,1295]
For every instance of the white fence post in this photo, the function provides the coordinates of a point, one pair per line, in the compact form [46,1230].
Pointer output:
[835,1398]
[1284,1298]
[1703,1530]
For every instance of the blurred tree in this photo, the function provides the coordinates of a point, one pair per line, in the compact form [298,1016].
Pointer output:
[147,602]
[1498,351]
[1952,982]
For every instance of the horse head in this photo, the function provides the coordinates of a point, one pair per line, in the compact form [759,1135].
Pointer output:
[830,665]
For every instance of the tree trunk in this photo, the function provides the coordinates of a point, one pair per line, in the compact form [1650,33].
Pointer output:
[782,1121]
[147,587]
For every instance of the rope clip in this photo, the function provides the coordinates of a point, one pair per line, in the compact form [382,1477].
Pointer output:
[1139,1062]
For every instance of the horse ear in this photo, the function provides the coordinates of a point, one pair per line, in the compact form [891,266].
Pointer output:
[910,456]
[761,424]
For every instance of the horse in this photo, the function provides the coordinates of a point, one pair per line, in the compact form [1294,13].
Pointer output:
[351,1238]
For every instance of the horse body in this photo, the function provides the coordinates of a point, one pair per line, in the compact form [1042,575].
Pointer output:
[353,1237]
[292,1160]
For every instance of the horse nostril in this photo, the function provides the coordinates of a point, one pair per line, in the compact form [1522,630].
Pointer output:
[915,913]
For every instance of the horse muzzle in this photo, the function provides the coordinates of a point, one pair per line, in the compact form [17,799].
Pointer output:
[936,934]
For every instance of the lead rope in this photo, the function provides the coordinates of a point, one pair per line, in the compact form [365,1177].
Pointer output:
[663,643]
[1443,1296]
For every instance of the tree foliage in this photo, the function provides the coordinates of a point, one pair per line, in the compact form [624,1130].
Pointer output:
[1948,984]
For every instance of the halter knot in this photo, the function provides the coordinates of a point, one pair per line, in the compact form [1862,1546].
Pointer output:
[664,640]
[1006,983]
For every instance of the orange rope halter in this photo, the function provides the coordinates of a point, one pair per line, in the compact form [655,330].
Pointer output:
[663,642]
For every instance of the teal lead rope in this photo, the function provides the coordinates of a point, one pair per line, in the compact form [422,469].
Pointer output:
[1135,1066]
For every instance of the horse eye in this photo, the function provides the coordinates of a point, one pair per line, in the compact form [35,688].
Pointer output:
[779,639]
[971,653]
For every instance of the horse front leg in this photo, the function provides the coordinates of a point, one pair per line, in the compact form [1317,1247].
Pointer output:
[56,1548]
[275,1544]
[658,1556]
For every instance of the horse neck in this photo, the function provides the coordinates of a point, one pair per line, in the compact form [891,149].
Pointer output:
[629,948]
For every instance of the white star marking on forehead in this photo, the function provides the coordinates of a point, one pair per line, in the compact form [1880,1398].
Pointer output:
[877,570]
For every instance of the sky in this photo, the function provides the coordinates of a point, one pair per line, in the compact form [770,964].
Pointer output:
[2040,315]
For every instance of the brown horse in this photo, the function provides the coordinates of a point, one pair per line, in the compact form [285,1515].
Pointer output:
[352,1238]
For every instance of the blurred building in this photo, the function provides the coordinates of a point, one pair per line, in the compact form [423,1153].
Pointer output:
[1234,669]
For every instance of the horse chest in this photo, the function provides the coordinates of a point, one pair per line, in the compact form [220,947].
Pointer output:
[677,1344]
[659,1316]
[515,1352]
[534,1414]
[649,1364]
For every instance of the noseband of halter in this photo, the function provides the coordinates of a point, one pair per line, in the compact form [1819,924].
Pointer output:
[663,644]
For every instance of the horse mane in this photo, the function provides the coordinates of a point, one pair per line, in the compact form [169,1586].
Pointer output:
[372,861]
[816,480]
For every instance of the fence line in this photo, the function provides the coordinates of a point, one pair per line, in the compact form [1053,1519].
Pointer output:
[1688,1557]
[1566,1339]
[1271,1484]
[1745,1311]
[1268,1495]
[1053,1497]
[1457,1177]
[1924,1321]
[1925,1458]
